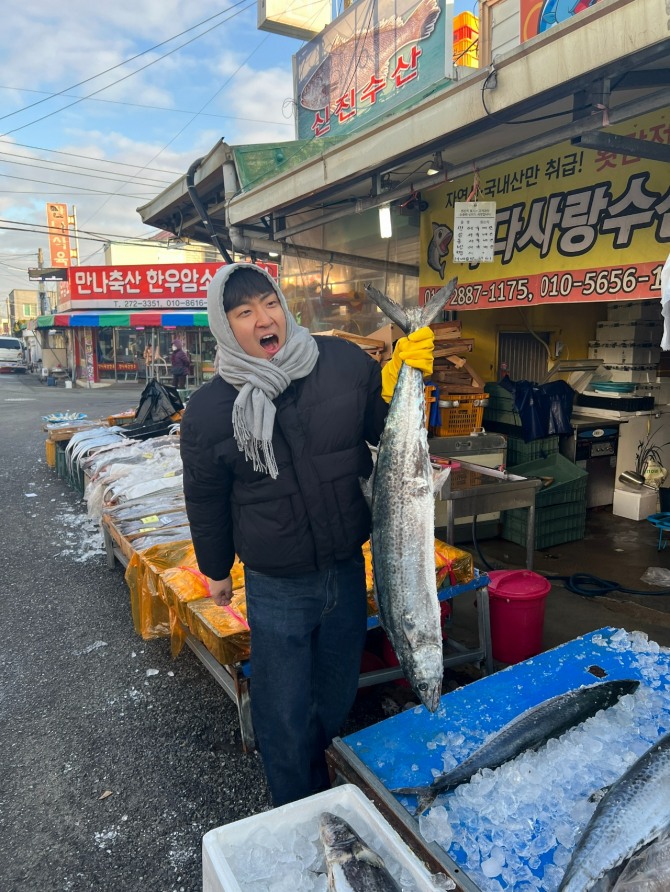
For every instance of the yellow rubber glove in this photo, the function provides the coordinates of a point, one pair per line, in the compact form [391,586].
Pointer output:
[415,350]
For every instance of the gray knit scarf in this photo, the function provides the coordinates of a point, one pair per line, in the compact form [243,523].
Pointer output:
[259,381]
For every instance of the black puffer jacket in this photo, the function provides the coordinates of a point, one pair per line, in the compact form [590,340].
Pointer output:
[314,512]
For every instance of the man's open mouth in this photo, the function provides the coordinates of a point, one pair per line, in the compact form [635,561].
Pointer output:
[269,342]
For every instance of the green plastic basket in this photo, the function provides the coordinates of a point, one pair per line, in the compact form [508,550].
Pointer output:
[569,481]
[554,525]
[519,452]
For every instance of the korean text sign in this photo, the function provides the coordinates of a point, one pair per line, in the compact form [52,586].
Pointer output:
[572,225]
[374,57]
[158,286]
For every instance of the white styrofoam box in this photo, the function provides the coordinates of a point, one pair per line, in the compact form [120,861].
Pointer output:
[274,829]
[638,374]
[635,504]
[625,352]
[638,332]
[634,309]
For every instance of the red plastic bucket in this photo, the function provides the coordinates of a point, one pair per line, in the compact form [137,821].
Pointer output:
[516,606]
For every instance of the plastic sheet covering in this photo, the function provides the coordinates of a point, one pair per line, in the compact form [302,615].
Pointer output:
[148,606]
[169,594]
[223,631]
[452,566]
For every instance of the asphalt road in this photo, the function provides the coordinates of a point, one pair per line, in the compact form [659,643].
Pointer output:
[79,716]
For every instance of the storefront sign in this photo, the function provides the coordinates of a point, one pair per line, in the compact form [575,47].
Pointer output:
[536,18]
[374,57]
[572,225]
[59,237]
[161,286]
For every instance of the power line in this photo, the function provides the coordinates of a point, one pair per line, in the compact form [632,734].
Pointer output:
[118,65]
[132,73]
[166,108]
[89,191]
[22,145]
[75,172]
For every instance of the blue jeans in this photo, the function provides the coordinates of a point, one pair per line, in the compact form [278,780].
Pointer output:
[307,637]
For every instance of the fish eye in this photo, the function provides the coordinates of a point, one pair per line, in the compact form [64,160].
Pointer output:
[423,686]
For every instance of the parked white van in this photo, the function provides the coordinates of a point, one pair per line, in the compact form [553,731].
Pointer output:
[12,354]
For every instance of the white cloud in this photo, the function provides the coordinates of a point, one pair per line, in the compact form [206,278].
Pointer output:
[163,117]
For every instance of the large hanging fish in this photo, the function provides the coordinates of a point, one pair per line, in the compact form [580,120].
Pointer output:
[403,518]
[354,61]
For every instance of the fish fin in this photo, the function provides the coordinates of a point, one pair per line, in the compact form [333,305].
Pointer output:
[361,852]
[366,488]
[428,25]
[599,794]
[435,305]
[422,21]
[389,307]
[440,477]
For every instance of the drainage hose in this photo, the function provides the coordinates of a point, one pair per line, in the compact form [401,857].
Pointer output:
[579,583]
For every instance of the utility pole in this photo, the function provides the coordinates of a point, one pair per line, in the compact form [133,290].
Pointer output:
[45,309]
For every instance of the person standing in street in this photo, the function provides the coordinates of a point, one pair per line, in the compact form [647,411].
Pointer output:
[181,364]
[274,447]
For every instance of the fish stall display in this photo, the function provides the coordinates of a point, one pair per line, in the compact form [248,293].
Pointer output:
[528,731]
[634,811]
[518,826]
[402,489]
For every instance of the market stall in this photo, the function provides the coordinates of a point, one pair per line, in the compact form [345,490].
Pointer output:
[517,824]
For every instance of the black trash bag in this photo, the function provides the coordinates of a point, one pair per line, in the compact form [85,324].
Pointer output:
[532,405]
[544,409]
[157,402]
[560,396]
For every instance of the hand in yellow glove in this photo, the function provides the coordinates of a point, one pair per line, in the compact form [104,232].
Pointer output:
[415,350]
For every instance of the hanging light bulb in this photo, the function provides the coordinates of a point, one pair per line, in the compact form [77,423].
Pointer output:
[385,225]
[436,165]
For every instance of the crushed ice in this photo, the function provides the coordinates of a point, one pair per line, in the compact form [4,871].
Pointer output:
[515,827]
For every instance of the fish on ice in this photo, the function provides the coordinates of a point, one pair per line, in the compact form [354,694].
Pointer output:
[633,812]
[354,61]
[352,865]
[402,499]
[528,731]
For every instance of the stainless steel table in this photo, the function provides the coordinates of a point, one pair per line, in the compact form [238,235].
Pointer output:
[473,489]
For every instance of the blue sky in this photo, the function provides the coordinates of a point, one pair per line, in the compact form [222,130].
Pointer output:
[104,105]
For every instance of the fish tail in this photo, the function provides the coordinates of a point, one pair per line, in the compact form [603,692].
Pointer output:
[389,307]
[437,302]
[425,797]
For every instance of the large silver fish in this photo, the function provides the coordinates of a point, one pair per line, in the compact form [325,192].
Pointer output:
[633,812]
[403,518]
[351,863]
[528,731]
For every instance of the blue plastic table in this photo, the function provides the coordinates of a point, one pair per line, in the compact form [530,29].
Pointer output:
[396,751]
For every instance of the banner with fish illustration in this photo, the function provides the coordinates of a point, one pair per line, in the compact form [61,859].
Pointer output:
[375,57]
[573,225]
[538,16]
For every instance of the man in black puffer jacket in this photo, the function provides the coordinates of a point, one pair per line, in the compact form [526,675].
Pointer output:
[274,448]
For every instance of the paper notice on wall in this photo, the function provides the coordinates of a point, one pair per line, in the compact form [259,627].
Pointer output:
[474,231]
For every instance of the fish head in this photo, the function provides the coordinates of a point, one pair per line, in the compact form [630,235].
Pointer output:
[426,675]
[335,833]
[315,95]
